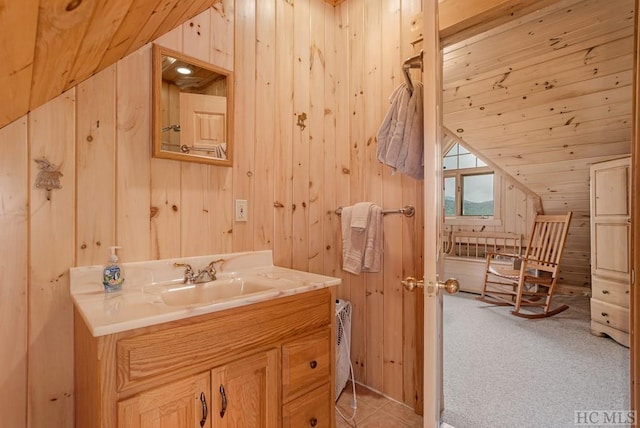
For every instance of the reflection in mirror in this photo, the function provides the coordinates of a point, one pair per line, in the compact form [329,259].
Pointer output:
[192,109]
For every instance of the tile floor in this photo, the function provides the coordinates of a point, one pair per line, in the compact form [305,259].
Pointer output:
[374,411]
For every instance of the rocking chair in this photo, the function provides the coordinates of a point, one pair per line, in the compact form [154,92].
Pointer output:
[532,280]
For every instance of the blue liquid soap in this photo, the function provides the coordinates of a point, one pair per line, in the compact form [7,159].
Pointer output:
[112,278]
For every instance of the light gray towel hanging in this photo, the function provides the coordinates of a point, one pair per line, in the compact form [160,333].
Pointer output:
[401,134]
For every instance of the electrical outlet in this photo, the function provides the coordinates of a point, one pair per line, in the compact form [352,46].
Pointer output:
[241,210]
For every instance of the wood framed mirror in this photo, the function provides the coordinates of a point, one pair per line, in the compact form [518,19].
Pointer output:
[192,109]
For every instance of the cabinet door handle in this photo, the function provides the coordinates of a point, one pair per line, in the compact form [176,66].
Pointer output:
[313,364]
[604,314]
[224,401]
[313,422]
[205,411]
[605,291]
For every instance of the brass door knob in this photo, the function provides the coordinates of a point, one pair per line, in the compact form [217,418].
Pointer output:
[451,285]
[410,283]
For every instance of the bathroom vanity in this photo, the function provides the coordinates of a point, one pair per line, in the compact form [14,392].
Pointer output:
[263,359]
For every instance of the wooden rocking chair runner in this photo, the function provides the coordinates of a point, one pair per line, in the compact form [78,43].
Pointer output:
[531,285]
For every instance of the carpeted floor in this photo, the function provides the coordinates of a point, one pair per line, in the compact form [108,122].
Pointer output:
[505,371]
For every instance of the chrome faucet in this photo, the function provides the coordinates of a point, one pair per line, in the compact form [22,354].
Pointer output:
[191,277]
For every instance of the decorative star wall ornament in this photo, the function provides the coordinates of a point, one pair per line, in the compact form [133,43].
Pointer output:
[49,176]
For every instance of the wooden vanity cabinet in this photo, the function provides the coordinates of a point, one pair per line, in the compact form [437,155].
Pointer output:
[306,370]
[177,404]
[271,363]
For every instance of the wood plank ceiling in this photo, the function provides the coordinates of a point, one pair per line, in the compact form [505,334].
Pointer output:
[543,97]
[50,46]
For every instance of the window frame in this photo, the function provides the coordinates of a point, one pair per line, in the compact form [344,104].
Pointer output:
[458,175]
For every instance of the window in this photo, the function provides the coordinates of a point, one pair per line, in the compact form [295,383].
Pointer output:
[468,185]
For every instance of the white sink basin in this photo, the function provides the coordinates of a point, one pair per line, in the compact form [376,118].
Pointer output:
[212,291]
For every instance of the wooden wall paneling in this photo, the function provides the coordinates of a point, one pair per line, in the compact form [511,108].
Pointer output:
[198,209]
[301,136]
[195,199]
[14,223]
[107,16]
[586,141]
[461,15]
[588,114]
[166,209]
[412,242]
[133,156]
[508,202]
[245,126]
[534,105]
[122,40]
[173,20]
[316,140]
[265,116]
[171,39]
[587,20]
[285,120]
[357,142]
[51,253]
[342,135]
[376,301]
[96,168]
[223,34]
[498,71]
[560,132]
[147,31]
[541,77]
[59,34]
[222,53]
[396,361]
[567,102]
[607,55]
[20,20]
[166,181]
[181,12]
[196,36]
[332,237]
[522,217]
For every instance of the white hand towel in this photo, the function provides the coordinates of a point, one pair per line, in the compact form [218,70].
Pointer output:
[372,259]
[353,243]
[362,248]
[360,215]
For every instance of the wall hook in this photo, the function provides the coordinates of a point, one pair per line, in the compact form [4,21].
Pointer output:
[49,176]
[301,118]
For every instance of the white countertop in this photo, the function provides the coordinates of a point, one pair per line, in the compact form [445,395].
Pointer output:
[136,306]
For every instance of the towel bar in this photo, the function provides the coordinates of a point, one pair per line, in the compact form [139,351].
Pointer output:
[407,210]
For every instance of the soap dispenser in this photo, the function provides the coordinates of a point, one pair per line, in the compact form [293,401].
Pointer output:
[112,278]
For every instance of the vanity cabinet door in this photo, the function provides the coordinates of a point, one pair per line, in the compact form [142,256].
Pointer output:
[246,392]
[182,404]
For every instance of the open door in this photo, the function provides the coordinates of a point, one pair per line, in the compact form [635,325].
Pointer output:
[432,71]
[433,397]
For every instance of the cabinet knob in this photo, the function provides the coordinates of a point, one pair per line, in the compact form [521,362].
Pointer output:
[313,422]
[605,291]
[313,364]
[604,314]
